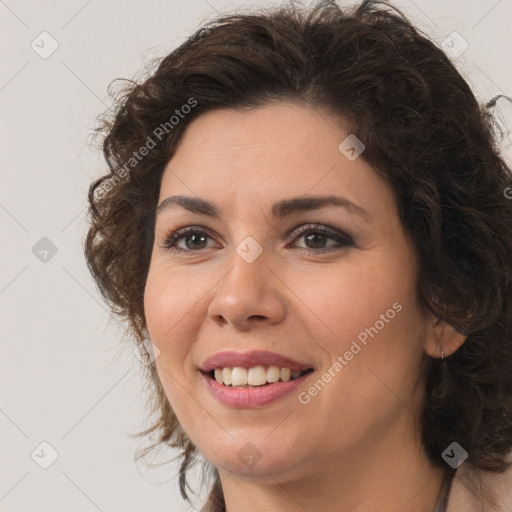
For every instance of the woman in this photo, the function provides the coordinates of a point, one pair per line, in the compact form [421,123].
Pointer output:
[306,213]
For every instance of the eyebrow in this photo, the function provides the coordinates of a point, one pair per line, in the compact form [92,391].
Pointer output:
[280,209]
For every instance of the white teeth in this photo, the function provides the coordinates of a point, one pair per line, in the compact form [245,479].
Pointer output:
[273,374]
[239,376]
[257,376]
[286,374]
[226,376]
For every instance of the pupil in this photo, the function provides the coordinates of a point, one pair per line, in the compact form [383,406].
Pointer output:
[195,237]
[320,238]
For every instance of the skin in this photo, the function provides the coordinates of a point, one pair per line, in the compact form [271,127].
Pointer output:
[355,446]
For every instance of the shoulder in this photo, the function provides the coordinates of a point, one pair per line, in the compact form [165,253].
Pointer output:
[470,490]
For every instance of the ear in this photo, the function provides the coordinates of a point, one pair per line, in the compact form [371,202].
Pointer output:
[442,335]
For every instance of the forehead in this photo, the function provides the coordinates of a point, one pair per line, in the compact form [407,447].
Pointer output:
[270,152]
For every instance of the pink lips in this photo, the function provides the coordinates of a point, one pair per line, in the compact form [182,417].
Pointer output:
[251,397]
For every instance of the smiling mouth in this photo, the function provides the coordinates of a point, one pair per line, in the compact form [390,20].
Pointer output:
[255,377]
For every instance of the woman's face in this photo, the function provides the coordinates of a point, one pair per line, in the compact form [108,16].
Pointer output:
[250,286]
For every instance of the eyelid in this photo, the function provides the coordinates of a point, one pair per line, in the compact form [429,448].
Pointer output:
[322,228]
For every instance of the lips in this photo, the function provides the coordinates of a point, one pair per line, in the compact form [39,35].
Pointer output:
[253,396]
[230,359]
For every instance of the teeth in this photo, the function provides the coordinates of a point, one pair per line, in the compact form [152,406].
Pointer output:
[286,374]
[226,376]
[255,376]
[239,376]
[273,374]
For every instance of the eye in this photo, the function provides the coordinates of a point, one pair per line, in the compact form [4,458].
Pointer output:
[316,236]
[194,238]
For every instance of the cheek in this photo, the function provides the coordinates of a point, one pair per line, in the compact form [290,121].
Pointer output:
[343,302]
[170,317]
[369,317]
[171,314]
[172,299]
[381,356]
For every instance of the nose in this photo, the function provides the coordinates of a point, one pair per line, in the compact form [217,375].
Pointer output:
[248,295]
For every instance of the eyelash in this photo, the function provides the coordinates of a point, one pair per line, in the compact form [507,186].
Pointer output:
[341,238]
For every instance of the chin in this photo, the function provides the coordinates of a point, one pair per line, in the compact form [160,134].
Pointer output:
[253,453]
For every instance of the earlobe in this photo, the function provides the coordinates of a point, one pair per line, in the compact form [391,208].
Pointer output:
[442,339]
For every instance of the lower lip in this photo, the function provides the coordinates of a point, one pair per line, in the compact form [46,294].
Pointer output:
[245,398]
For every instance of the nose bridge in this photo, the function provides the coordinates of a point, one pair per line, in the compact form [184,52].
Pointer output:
[249,288]
[247,279]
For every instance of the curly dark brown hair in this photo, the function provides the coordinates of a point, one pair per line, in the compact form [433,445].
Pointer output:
[425,134]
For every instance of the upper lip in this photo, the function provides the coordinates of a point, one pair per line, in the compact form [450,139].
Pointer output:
[230,359]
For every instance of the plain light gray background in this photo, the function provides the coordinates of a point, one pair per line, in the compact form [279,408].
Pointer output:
[64,378]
